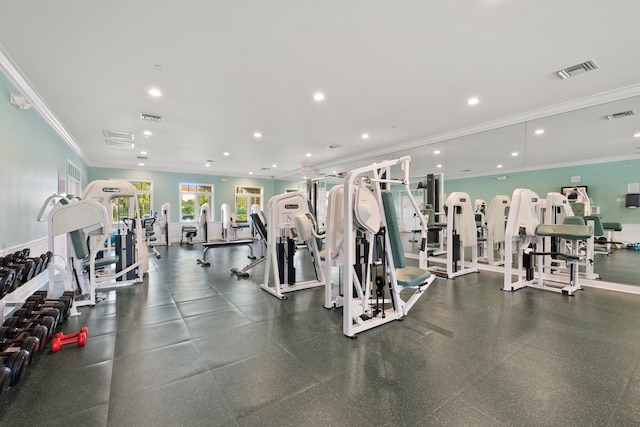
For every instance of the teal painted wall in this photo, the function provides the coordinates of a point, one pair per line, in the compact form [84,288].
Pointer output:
[31,154]
[606,183]
[166,186]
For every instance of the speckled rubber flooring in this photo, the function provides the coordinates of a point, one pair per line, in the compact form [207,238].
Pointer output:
[196,346]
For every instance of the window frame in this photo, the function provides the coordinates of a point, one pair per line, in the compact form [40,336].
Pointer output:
[197,201]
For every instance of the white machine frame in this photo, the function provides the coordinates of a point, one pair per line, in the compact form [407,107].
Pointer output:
[461,220]
[289,218]
[340,249]
[522,225]
[495,218]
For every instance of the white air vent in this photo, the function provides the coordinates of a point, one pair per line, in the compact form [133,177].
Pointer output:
[334,147]
[119,135]
[150,117]
[565,73]
[142,157]
[118,144]
[619,115]
[265,169]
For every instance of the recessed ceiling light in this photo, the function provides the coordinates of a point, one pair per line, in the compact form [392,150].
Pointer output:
[144,153]
[514,154]
[226,153]
[334,172]
[318,96]
[436,152]
[274,165]
[438,166]
[308,154]
[207,164]
[499,166]
[250,173]
[147,133]
[140,164]
[257,135]
[636,135]
[473,101]
[365,136]
[155,92]
[539,131]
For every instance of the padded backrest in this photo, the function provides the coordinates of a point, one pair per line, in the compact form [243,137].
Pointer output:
[573,220]
[598,229]
[77,239]
[397,251]
[262,230]
[79,247]
[577,207]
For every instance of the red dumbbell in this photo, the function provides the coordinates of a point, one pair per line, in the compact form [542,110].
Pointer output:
[60,339]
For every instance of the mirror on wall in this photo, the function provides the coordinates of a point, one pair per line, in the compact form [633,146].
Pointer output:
[545,154]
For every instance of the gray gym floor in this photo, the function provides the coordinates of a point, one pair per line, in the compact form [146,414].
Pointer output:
[194,346]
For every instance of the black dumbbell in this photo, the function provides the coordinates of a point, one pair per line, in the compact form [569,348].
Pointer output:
[19,258]
[46,257]
[66,298]
[24,319]
[23,342]
[7,277]
[31,310]
[5,379]
[16,362]
[18,271]
[42,328]
[63,303]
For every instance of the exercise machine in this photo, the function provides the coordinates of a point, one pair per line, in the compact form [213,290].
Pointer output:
[496,222]
[461,235]
[262,232]
[363,240]
[291,227]
[163,223]
[525,236]
[203,221]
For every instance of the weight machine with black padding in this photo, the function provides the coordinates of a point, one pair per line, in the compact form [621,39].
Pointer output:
[291,228]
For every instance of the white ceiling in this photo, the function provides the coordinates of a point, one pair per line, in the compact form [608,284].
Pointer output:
[400,71]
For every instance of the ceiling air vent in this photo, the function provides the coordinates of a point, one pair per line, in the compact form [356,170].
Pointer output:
[116,134]
[118,144]
[565,73]
[142,157]
[619,115]
[265,169]
[150,117]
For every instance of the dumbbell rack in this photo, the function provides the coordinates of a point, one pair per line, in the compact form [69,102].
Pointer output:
[13,300]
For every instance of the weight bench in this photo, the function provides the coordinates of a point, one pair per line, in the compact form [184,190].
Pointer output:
[262,231]
[221,244]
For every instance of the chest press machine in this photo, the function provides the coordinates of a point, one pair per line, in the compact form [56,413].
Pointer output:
[363,240]
[525,236]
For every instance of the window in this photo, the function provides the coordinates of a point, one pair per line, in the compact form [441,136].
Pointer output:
[74,179]
[245,197]
[121,205]
[192,197]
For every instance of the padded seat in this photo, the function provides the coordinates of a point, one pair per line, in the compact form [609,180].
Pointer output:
[405,275]
[79,247]
[613,226]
